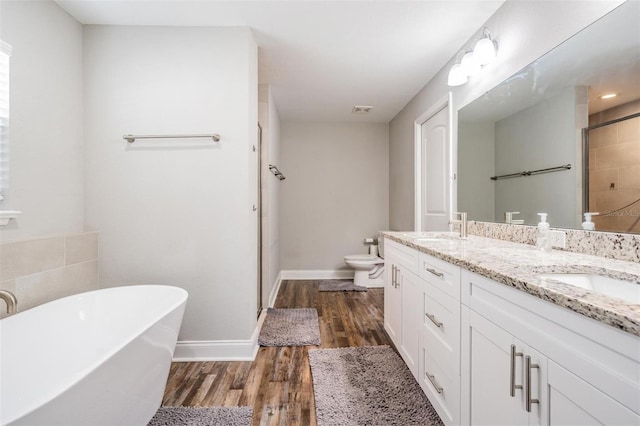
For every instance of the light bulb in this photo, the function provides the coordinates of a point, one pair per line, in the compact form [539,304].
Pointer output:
[469,64]
[484,52]
[457,77]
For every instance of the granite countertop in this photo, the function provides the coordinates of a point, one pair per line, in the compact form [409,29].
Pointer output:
[520,266]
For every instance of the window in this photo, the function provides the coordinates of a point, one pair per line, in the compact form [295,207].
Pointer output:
[5,55]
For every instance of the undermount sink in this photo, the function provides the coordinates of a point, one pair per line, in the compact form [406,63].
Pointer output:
[613,287]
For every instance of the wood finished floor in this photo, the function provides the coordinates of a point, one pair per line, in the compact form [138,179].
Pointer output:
[278,383]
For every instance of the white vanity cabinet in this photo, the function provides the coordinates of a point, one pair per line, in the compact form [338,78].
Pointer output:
[488,354]
[392,296]
[422,317]
[402,301]
[529,362]
[439,372]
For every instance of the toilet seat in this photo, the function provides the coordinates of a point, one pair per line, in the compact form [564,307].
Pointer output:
[364,259]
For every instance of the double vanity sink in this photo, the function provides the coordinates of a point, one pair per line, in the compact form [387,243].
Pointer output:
[607,290]
[606,282]
[497,332]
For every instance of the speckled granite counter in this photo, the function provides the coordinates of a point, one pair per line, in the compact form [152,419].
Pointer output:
[520,265]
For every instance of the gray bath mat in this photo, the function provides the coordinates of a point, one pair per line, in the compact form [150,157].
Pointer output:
[290,327]
[202,416]
[367,386]
[332,285]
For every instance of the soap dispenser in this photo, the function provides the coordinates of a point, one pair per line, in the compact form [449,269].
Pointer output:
[542,235]
[587,225]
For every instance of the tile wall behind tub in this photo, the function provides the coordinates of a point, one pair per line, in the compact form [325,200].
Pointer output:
[40,270]
[604,244]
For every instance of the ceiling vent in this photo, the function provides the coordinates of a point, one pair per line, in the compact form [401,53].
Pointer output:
[361,109]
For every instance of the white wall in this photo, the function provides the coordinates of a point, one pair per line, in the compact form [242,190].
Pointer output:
[522,143]
[525,30]
[335,193]
[45,120]
[476,164]
[176,212]
[270,123]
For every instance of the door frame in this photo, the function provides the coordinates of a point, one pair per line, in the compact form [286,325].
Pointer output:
[444,102]
[259,284]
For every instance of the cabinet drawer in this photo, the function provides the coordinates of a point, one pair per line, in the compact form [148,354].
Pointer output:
[441,322]
[440,274]
[404,256]
[440,385]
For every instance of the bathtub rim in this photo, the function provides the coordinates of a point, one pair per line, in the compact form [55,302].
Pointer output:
[44,398]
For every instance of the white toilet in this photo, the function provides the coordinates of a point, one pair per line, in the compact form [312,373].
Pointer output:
[368,269]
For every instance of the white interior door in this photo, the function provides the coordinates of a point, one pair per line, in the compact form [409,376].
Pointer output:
[436,183]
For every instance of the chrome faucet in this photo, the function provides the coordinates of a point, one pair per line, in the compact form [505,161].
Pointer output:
[508,218]
[10,300]
[462,222]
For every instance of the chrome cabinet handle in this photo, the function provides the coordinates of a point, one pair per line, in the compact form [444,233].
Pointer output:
[435,384]
[512,371]
[393,275]
[434,320]
[434,272]
[397,281]
[527,368]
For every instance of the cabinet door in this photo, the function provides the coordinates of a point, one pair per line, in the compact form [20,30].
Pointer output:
[411,293]
[487,374]
[572,401]
[392,300]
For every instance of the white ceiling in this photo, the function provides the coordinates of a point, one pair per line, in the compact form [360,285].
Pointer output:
[323,57]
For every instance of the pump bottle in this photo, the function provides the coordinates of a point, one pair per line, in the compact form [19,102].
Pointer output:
[587,225]
[542,234]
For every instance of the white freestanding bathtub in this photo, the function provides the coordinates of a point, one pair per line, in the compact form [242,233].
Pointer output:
[95,358]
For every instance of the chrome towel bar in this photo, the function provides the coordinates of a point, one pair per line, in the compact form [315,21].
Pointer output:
[533,172]
[132,138]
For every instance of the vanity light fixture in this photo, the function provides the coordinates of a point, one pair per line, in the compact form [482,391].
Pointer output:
[474,60]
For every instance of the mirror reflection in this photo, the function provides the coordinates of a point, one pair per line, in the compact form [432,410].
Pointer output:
[549,139]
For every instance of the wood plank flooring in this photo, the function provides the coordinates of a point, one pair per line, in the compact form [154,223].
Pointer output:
[278,383]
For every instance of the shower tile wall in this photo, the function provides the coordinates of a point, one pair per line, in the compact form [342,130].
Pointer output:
[44,269]
[614,178]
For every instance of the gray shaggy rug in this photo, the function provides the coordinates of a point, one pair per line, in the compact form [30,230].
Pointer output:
[202,416]
[330,285]
[290,327]
[367,386]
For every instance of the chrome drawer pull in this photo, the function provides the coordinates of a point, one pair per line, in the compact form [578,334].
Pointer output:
[527,368]
[435,384]
[512,371]
[393,275]
[434,320]
[434,272]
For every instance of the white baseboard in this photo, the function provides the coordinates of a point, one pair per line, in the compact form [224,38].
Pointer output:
[219,350]
[274,290]
[321,274]
[246,350]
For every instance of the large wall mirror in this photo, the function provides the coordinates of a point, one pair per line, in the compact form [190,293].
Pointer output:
[548,139]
